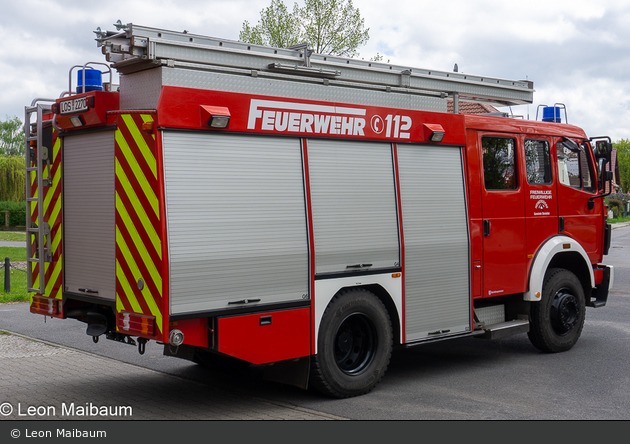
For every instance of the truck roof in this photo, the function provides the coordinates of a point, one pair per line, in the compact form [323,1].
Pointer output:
[511,125]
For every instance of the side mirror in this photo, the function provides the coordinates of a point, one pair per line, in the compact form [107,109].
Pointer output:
[603,149]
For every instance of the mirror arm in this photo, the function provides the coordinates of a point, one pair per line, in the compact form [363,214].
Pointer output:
[591,201]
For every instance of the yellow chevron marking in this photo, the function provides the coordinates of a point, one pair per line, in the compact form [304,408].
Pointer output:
[36,282]
[155,310]
[119,305]
[34,204]
[49,195]
[140,142]
[137,171]
[139,209]
[140,246]
[135,306]
[53,278]
[56,180]
[56,147]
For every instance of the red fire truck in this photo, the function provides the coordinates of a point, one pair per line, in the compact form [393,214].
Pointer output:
[304,211]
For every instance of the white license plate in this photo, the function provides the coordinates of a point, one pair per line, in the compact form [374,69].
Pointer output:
[73,106]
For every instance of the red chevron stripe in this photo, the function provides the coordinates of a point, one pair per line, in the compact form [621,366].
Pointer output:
[135,150]
[155,292]
[135,184]
[132,283]
[146,240]
[148,139]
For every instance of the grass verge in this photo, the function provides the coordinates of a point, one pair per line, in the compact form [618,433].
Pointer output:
[619,219]
[12,236]
[17,289]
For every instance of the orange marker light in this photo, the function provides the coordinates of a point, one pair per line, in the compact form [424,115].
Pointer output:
[147,127]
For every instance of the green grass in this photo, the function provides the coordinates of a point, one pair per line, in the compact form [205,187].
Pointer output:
[619,219]
[18,291]
[18,287]
[15,254]
[12,236]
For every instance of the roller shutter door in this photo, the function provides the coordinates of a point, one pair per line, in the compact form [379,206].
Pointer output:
[354,206]
[236,220]
[89,214]
[435,229]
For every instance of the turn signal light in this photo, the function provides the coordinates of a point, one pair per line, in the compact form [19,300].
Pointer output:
[45,306]
[147,127]
[136,323]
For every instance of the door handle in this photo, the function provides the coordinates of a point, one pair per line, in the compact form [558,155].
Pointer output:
[486,227]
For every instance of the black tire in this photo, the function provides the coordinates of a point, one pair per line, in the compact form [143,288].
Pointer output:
[556,322]
[354,345]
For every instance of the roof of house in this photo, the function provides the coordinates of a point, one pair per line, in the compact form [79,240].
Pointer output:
[473,108]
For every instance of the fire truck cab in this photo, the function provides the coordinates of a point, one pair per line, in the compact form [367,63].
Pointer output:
[306,212]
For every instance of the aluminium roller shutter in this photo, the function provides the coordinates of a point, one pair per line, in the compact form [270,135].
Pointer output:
[354,205]
[435,230]
[236,220]
[89,214]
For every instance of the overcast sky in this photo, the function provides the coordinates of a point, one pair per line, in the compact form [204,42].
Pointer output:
[577,52]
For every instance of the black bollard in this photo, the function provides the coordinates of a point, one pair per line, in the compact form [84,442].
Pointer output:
[7,275]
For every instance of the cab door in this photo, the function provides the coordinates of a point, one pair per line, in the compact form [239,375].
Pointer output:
[503,212]
[576,186]
[541,197]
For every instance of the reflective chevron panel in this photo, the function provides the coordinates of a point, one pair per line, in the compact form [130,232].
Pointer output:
[139,260]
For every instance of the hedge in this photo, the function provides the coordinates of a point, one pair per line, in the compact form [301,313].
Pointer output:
[17,213]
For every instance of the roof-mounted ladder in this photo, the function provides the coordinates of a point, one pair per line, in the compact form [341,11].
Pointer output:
[39,230]
[136,48]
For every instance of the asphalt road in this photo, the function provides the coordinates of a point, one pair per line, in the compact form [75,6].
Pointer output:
[463,379]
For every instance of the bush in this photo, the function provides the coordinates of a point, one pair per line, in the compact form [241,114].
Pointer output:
[17,213]
[615,205]
[615,211]
[620,196]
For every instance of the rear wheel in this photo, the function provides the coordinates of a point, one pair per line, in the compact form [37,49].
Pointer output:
[354,345]
[556,321]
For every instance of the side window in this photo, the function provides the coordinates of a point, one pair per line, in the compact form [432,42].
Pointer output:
[499,163]
[574,168]
[538,162]
[585,167]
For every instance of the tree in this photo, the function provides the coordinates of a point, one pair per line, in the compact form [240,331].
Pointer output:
[623,161]
[332,27]
[11,137]
[12,178]
[277,27]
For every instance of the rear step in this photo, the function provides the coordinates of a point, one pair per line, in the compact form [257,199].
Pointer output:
[504,329]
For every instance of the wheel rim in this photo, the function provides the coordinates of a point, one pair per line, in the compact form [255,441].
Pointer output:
[355,344]
[565,312]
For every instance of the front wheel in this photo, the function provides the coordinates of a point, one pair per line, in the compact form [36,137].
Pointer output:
[556,321]
[354,345]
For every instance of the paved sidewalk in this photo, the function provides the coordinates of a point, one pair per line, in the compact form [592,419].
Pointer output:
[13,244]
[55,382]
[620,225]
